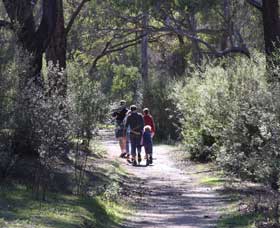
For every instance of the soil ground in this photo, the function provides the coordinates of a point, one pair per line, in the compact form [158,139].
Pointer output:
[166,196]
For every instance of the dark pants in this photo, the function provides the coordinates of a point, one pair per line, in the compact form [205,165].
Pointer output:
[148,148]
[135,141]
[127,143]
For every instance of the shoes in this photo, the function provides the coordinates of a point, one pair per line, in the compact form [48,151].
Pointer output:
[147,162]
[134,163]
[123,155]
[151,159]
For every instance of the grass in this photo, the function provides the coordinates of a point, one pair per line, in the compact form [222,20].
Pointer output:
[19,209]
[236,219]
[105,209]
[212,181]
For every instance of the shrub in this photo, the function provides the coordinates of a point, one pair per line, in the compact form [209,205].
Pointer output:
[87,102]
[162,108]
[231,113]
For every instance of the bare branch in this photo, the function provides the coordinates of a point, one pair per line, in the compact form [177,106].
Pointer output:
[236,49]
[209,31]
[243,50]
[256,3]
[74,15]
[119,47]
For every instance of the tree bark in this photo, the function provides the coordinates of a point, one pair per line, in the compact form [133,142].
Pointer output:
[144,59]
[196,53]
[56,54]
[271,25]
[33,44]
[227,32]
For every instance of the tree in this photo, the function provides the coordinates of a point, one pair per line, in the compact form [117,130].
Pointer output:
[56,50]
[32,40]
[33,43]
[271,23]
[49,38]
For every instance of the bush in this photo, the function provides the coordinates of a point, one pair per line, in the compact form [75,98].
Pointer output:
[87,102]
[162,108]
[126,84]
[231,113]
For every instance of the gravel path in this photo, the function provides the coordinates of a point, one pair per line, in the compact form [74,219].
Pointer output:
[168,197]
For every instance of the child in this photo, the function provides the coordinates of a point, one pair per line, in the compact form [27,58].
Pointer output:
[148,120]
[148,144]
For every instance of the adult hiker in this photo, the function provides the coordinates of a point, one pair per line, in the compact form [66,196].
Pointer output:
[135,122]
[120,133]
[148,120]
[127,131]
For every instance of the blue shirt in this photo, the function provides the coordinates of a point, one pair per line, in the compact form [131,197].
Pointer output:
[147,138]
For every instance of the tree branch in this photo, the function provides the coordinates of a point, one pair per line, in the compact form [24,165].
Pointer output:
[256,3]
[74,15]
[243,49]
[118,47]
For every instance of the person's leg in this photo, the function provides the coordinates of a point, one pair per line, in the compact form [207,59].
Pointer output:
[139,153]
[146,155]
[120,144]
[133,150]
[150,151]
[127,147]
[124,145]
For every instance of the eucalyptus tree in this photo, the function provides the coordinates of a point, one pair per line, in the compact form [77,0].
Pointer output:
[32,34]
[271,23]
[39,28]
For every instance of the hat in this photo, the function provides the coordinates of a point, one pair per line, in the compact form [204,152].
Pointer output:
[146,110]
[122,102]
[133,108]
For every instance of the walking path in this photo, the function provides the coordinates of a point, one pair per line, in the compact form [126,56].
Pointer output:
[167,197]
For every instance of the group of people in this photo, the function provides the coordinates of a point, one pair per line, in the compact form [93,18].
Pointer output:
[134,130]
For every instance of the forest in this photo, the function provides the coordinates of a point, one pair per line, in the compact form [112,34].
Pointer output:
[209,72]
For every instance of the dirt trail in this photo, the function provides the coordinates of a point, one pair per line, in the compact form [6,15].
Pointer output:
[169,197]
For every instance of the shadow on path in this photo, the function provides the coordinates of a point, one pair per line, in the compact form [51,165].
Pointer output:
[164,196]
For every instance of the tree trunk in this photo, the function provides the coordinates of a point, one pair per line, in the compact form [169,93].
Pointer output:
[144,59]
[56,54]
[271,25]
[226,34]
[196,53]
[32,44]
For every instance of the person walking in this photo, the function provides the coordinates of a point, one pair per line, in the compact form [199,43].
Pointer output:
[119,116]
[148,144]
[148,120]
[135,122]
[127,131]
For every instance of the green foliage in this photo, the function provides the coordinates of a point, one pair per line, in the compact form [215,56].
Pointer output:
[88,104]
[19,209]
[235,219]
[126,83]
[231,113]
[162,108]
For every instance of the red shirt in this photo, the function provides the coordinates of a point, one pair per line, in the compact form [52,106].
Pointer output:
[148,120]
